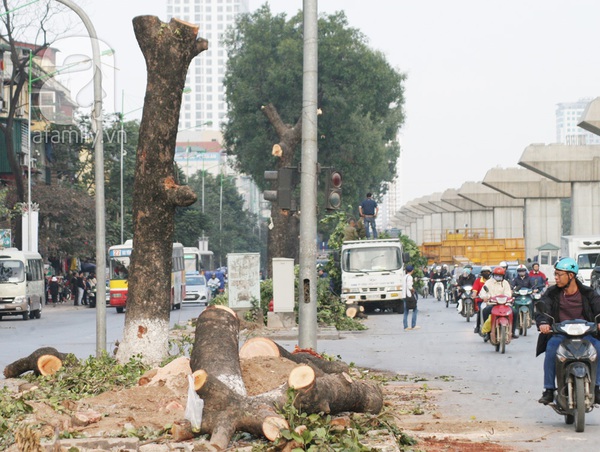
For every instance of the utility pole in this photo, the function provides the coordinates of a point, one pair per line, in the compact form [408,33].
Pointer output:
[307,302]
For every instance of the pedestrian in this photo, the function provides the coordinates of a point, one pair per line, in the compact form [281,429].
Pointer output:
[73,283]
[54,286]
[368,211]
[80,284]
[410,300]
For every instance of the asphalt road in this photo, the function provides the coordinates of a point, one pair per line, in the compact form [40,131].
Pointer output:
[483,383]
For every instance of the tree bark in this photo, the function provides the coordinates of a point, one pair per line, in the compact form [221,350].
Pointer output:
[283,238]
[43,361]
[168,50]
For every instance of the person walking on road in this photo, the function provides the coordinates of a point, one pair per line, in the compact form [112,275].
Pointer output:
[368,211]
[410,300]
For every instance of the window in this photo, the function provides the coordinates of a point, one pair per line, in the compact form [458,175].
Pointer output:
[47,104]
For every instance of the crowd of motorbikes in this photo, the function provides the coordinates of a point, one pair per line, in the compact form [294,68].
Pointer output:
[576,361]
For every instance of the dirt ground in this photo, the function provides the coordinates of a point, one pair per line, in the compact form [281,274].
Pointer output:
[162,401]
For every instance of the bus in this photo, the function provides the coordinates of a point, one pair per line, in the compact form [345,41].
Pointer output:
[118,271]
[197,260]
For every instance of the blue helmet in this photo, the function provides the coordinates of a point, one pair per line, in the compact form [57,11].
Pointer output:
[567,264]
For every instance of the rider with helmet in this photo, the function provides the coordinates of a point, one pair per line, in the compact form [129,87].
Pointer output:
[213,285]
[466,278]
[436,273]
[484,275]
[522,279]
[569,299]
[495,286]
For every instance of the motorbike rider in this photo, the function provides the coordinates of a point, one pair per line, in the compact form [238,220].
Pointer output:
[536,275]
[213,284]
[435,274]
[466,278]
[522,279]
[568,299]
[497,285]
[484,275]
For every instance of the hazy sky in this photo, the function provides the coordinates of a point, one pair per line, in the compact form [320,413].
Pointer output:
[483,77]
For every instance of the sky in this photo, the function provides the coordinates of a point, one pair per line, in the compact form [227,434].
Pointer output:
[483,77]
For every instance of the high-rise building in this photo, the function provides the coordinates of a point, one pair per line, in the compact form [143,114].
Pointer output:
[204,105]
[568,115]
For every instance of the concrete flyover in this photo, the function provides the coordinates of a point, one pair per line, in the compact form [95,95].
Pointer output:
[577,165]
[507,218]
[542,197]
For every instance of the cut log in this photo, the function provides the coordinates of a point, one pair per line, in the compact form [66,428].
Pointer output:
[43,361]
[327,393]
[355,311]
[263,346]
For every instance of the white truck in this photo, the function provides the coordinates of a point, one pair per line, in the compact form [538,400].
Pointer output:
[373,273]
[585,249]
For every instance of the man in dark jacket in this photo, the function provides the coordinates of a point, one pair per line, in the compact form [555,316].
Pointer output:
[569,299]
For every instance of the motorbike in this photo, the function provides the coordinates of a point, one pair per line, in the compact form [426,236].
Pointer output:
[576,360]
[450,296]
[439,288]
[466,305]
[214,291]
[524,302]
[501,322]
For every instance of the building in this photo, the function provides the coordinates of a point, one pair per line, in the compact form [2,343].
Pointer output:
[568,115]
[205,101]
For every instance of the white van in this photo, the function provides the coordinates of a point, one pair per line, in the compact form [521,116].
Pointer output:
[22,290]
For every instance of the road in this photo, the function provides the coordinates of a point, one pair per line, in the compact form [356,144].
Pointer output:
[484,384]
[69,329]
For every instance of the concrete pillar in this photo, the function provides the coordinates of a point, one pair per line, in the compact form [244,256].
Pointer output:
[577,165]
[542,212]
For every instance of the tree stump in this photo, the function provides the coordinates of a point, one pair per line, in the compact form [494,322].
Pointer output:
[43,361]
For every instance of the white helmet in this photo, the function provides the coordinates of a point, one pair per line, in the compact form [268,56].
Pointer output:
[503,264]
[521,268]
[438,268]
[445,266]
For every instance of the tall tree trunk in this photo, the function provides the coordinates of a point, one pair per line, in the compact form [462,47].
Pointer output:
[283,238]
[168,50]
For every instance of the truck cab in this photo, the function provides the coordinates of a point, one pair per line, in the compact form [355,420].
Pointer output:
[373,273]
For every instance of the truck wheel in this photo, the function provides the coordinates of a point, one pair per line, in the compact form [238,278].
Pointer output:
[119,310]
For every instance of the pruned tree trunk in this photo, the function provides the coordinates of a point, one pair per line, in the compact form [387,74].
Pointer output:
[283,238]
[43,361]
[168,50]
[218,380]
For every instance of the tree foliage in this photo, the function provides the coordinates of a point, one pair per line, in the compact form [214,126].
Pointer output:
[360,94]
[229,227]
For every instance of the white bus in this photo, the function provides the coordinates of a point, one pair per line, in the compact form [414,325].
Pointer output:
[119,258]
[22,288]
[197,260]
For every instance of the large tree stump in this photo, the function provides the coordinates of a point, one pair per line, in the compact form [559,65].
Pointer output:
[43,361]
[168,49]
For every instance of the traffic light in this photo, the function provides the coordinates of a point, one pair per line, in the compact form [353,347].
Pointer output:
[333,196]
[285,187]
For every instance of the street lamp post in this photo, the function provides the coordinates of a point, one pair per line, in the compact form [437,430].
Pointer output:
[98,179]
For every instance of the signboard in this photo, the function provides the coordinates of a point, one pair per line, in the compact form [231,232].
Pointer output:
[243,279]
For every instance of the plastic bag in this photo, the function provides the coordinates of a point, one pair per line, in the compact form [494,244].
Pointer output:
[487,325]
[194,406]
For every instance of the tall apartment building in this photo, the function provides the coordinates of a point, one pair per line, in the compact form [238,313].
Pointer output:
[205,101]
[567,118]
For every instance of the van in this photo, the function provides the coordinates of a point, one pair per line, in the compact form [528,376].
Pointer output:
[22,290]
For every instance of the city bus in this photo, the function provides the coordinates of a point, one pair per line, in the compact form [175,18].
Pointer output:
[118,270]
[197,260]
